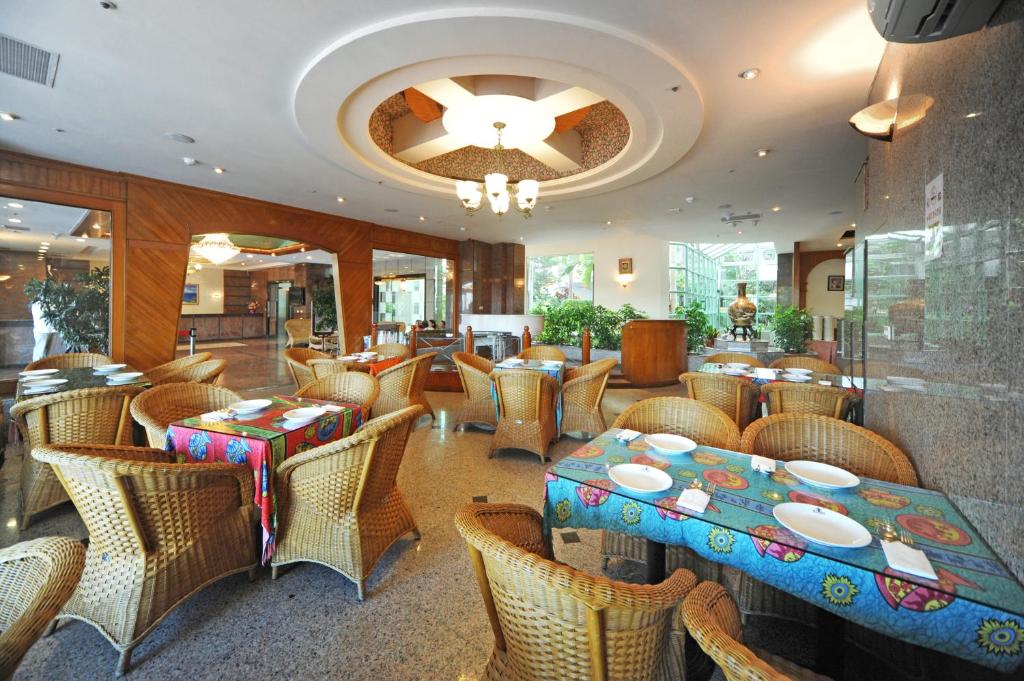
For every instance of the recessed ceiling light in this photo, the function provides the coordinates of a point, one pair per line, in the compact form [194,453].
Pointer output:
[973,114]
[80,239]
[12,204]
[309,257]
[740,232]
[776,208]
[44,243]
[853,224]
[341,199]
[675,210]
[522,238]
[422,219]
[462,229]
[188,160]
[302,250]
[839,245]
[273,255]
[749,74]
[248,255]
[761,153]
[691,199]
[179,137]
[886,197]
[218,170]
[608,222]
[7,116]
[261,260]
[14,220]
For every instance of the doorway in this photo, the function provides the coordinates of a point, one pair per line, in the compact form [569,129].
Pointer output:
[277,307]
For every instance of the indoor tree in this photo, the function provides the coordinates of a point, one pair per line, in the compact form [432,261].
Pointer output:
[79,311]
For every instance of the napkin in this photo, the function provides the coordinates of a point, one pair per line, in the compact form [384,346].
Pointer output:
[908,559]
[762,464]
[694,499]
[626,435]
[215,416]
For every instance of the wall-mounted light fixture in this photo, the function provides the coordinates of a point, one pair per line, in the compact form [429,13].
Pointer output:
[881,121]
[624,279]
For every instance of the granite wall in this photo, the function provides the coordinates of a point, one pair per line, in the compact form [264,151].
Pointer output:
[954,320]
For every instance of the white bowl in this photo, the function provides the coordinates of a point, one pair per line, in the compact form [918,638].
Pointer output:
[639,478]
[250,406]
[108,368]
[801,372]
[819,474]
[35,373]
[795,378]
[124,377]
[666,443]
[821,525]
[303,414]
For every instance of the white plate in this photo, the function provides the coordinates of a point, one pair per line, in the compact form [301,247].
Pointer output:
[551,363]
[639,478]
[819,474]
[737,365]
[734,372]
[124,377]
[108,368]
[349,358]
[35,373]
[250,406]
[514,360]
[822,526]
[800,372]
[666,443]
[46,383]
[795,378]
[304,414]
[38,391]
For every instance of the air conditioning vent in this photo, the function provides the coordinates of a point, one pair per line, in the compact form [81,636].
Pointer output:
[22,60]
[16,229]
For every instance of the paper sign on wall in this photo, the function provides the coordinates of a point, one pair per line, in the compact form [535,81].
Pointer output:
[933,219]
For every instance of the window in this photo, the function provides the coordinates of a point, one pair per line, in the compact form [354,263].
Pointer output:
[552,279]
[709,273]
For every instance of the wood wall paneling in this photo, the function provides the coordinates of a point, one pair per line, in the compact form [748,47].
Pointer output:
[21,170]
[808,260]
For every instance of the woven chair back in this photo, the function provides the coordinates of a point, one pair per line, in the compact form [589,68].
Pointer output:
[737,397]
[702,423]
[475,374]
[404,384]
[523,393]
[727,357]
[297,358]
[70,360]
[542,352]
[794,398]
[298,330]
[157,373]
[201,372]
[818,366]
[161,405]
[389,350]
[352,387]
[322,368]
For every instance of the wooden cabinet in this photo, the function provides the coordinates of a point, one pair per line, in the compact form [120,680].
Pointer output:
[653,351]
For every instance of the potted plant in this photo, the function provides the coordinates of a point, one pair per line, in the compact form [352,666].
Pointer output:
[697,325]
[79,311]
[712,336]
[792,327]
[324,311]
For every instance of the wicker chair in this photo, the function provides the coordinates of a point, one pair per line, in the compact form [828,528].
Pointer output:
[475,375]
[36,578]
[737,397]
[727,357]
[339,505]
[542,352]
[158,407]
[711,618]
[794,398]
[71,360]
[818,366]
[350,387]
[202,372]
[297,358]
[551,621]
[159,532]
[322,368]
[389,350]
[89,415]
[703,424]
[582,393]
[158,373]
[404,385]
[299,331]
[526,411]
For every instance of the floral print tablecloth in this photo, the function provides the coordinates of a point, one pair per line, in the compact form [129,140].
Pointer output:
[975,609]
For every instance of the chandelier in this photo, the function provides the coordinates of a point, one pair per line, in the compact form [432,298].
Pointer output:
[501,194]
[216,248]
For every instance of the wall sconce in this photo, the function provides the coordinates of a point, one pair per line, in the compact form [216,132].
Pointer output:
[216,295]
[881,121]
[624,279]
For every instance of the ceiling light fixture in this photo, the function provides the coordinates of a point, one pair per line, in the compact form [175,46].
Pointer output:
[608,222]
[12,204]
[341,199]
[16,221]
[309,257]
[750,74]
[422,219]
[4,277]
[839,245]
[881,121]
[7,116]
[973,114]
[188,160]
[500,192]
[761,153]
[218,170]
[776,208]
[44,243]
[217,248]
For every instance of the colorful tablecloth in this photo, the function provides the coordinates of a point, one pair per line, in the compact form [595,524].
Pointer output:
[82,377]
[975,610]
[262,442]
[374,368]
[556,372]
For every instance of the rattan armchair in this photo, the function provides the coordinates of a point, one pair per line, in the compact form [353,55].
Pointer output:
[322,368]
[350,387]
[89,415]
[70,360]
[711,618]
[296,359]
[389,350]
[299,331]
[815,364]
[158,373]
[159,532]
[542,352]
[158,407]
[702,423]
[551,621]
[582,393]
[795,398]
[36,578]
[202,372]
[526,411]
[339,504]
[737,397]
[728,357]
[404,385]
[475,375]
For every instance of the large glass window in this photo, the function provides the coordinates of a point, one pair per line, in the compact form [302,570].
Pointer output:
[710,272]
[410,289]
[552,279]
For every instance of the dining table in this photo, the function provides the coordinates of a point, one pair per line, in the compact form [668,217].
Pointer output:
[552,368]
[78,378]
[372,367]
[261,440]
[973,610]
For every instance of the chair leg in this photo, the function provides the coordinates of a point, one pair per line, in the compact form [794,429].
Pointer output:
[123,662]
[273,572]
[252,574]
[361,588]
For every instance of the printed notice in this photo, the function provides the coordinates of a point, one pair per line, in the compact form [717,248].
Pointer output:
[933,219]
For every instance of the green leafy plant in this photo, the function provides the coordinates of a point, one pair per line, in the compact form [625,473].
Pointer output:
[712,334]
[563,324]
[78,311]
[324,311]
[792,327]
[698,326]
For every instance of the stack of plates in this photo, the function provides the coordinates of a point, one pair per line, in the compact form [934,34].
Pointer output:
[34,374]
[124,378]
[108,368]
[40,386]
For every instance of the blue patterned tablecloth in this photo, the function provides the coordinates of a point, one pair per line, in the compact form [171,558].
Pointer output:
[975,609]
[556,372]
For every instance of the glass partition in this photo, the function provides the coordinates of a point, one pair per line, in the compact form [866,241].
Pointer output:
[413,289]
[55,279]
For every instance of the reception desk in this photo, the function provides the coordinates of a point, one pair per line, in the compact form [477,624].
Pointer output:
[653,351]
[210,327]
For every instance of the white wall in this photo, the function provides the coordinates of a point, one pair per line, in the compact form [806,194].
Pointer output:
[819,299]
[649,290]
[211,291]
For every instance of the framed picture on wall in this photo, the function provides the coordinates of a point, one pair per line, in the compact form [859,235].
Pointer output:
[190,296]
[625,265]
[836,282]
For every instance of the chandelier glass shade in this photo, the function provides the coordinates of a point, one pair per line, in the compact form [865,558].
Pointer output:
[217,248]
[500,192]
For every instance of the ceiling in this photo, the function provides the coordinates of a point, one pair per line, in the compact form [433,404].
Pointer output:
[257,85]
[51,225]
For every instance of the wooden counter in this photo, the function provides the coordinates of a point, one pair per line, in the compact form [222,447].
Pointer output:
[211,327]
[653,351]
